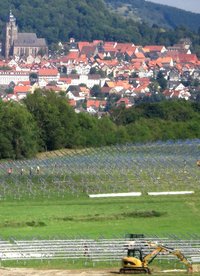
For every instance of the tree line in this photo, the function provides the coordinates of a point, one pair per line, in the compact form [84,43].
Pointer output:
[45,121]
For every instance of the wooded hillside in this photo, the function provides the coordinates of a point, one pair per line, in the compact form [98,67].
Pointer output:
[152,13]
[84,20]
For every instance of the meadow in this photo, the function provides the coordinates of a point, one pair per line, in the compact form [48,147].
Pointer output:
[53,202]
[83,217]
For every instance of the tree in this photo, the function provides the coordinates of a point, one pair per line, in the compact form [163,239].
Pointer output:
[96,91]
[111,101]
[33,77]
[98,71]
[161,81]
[56,120]
[18,132]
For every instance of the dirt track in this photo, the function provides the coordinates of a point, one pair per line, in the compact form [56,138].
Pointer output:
[54,272]
[78,272]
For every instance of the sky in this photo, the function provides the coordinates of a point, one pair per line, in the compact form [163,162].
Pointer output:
[189,5]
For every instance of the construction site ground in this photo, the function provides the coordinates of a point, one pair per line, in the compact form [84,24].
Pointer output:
[80,272]
[56,272]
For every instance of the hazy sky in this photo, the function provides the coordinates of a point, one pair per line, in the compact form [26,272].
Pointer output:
[189,5]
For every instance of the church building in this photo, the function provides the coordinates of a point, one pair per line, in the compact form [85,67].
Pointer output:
[21,44]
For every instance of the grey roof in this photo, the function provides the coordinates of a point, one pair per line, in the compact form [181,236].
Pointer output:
[29,40]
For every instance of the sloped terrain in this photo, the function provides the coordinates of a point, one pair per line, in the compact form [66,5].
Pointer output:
[161,15]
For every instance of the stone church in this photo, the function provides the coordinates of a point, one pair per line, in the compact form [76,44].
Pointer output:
[21,44]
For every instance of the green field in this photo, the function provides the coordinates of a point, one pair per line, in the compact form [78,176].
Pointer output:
[109,217]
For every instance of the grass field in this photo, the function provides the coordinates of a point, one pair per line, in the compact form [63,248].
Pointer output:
[100,217]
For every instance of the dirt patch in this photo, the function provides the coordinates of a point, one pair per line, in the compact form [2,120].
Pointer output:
[196,267]
[54,272]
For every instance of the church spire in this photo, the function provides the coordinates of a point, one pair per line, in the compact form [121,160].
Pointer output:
[11,33]
[11,17]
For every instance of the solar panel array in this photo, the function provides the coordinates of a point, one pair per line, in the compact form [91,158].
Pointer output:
[121,168]
[161,166]
[91,249]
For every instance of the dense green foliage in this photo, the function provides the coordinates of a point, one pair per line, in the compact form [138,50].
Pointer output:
[88,20]
[60,127]
[55,119]
[46,122]
[18,131]
[152,13]
[160,121]
[62,19]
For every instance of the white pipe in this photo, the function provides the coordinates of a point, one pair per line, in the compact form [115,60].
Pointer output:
[116,194]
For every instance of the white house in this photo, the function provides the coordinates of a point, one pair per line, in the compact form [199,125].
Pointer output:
[6,77]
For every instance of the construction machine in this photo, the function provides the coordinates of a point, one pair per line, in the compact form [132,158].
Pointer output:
[137,263]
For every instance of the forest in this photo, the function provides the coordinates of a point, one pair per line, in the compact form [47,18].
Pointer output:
[45,121]
[155,14]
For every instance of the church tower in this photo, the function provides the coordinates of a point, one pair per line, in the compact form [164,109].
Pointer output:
[11,32]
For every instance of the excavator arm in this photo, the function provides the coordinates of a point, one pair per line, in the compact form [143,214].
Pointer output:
[151,256]
[183,259]
[160,248]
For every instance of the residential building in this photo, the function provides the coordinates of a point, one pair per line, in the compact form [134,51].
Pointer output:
[8,76]
[48,75]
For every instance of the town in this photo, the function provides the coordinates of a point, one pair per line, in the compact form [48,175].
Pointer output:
[90,73]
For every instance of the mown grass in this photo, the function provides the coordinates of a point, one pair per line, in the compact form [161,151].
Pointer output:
[112,267]
[108,217]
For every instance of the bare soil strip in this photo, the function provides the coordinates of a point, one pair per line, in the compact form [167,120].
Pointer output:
[55,272]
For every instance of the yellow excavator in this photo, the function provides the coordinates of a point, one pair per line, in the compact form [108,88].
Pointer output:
[136,263]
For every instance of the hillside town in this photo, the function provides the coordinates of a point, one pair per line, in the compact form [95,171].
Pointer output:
[89,73]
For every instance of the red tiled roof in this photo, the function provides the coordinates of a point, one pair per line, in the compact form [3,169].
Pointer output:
[143,80]
[95,103]
[70,56]
[110,49]
[22,83]
[139,55]
[65,80]
[21,89]
[153,48]
[82,44]
[47,72]
[183,58]
[109,43]
[124,47]
[113,62]
[188,58]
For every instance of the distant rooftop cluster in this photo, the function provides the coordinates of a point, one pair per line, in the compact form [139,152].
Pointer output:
[89,73]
